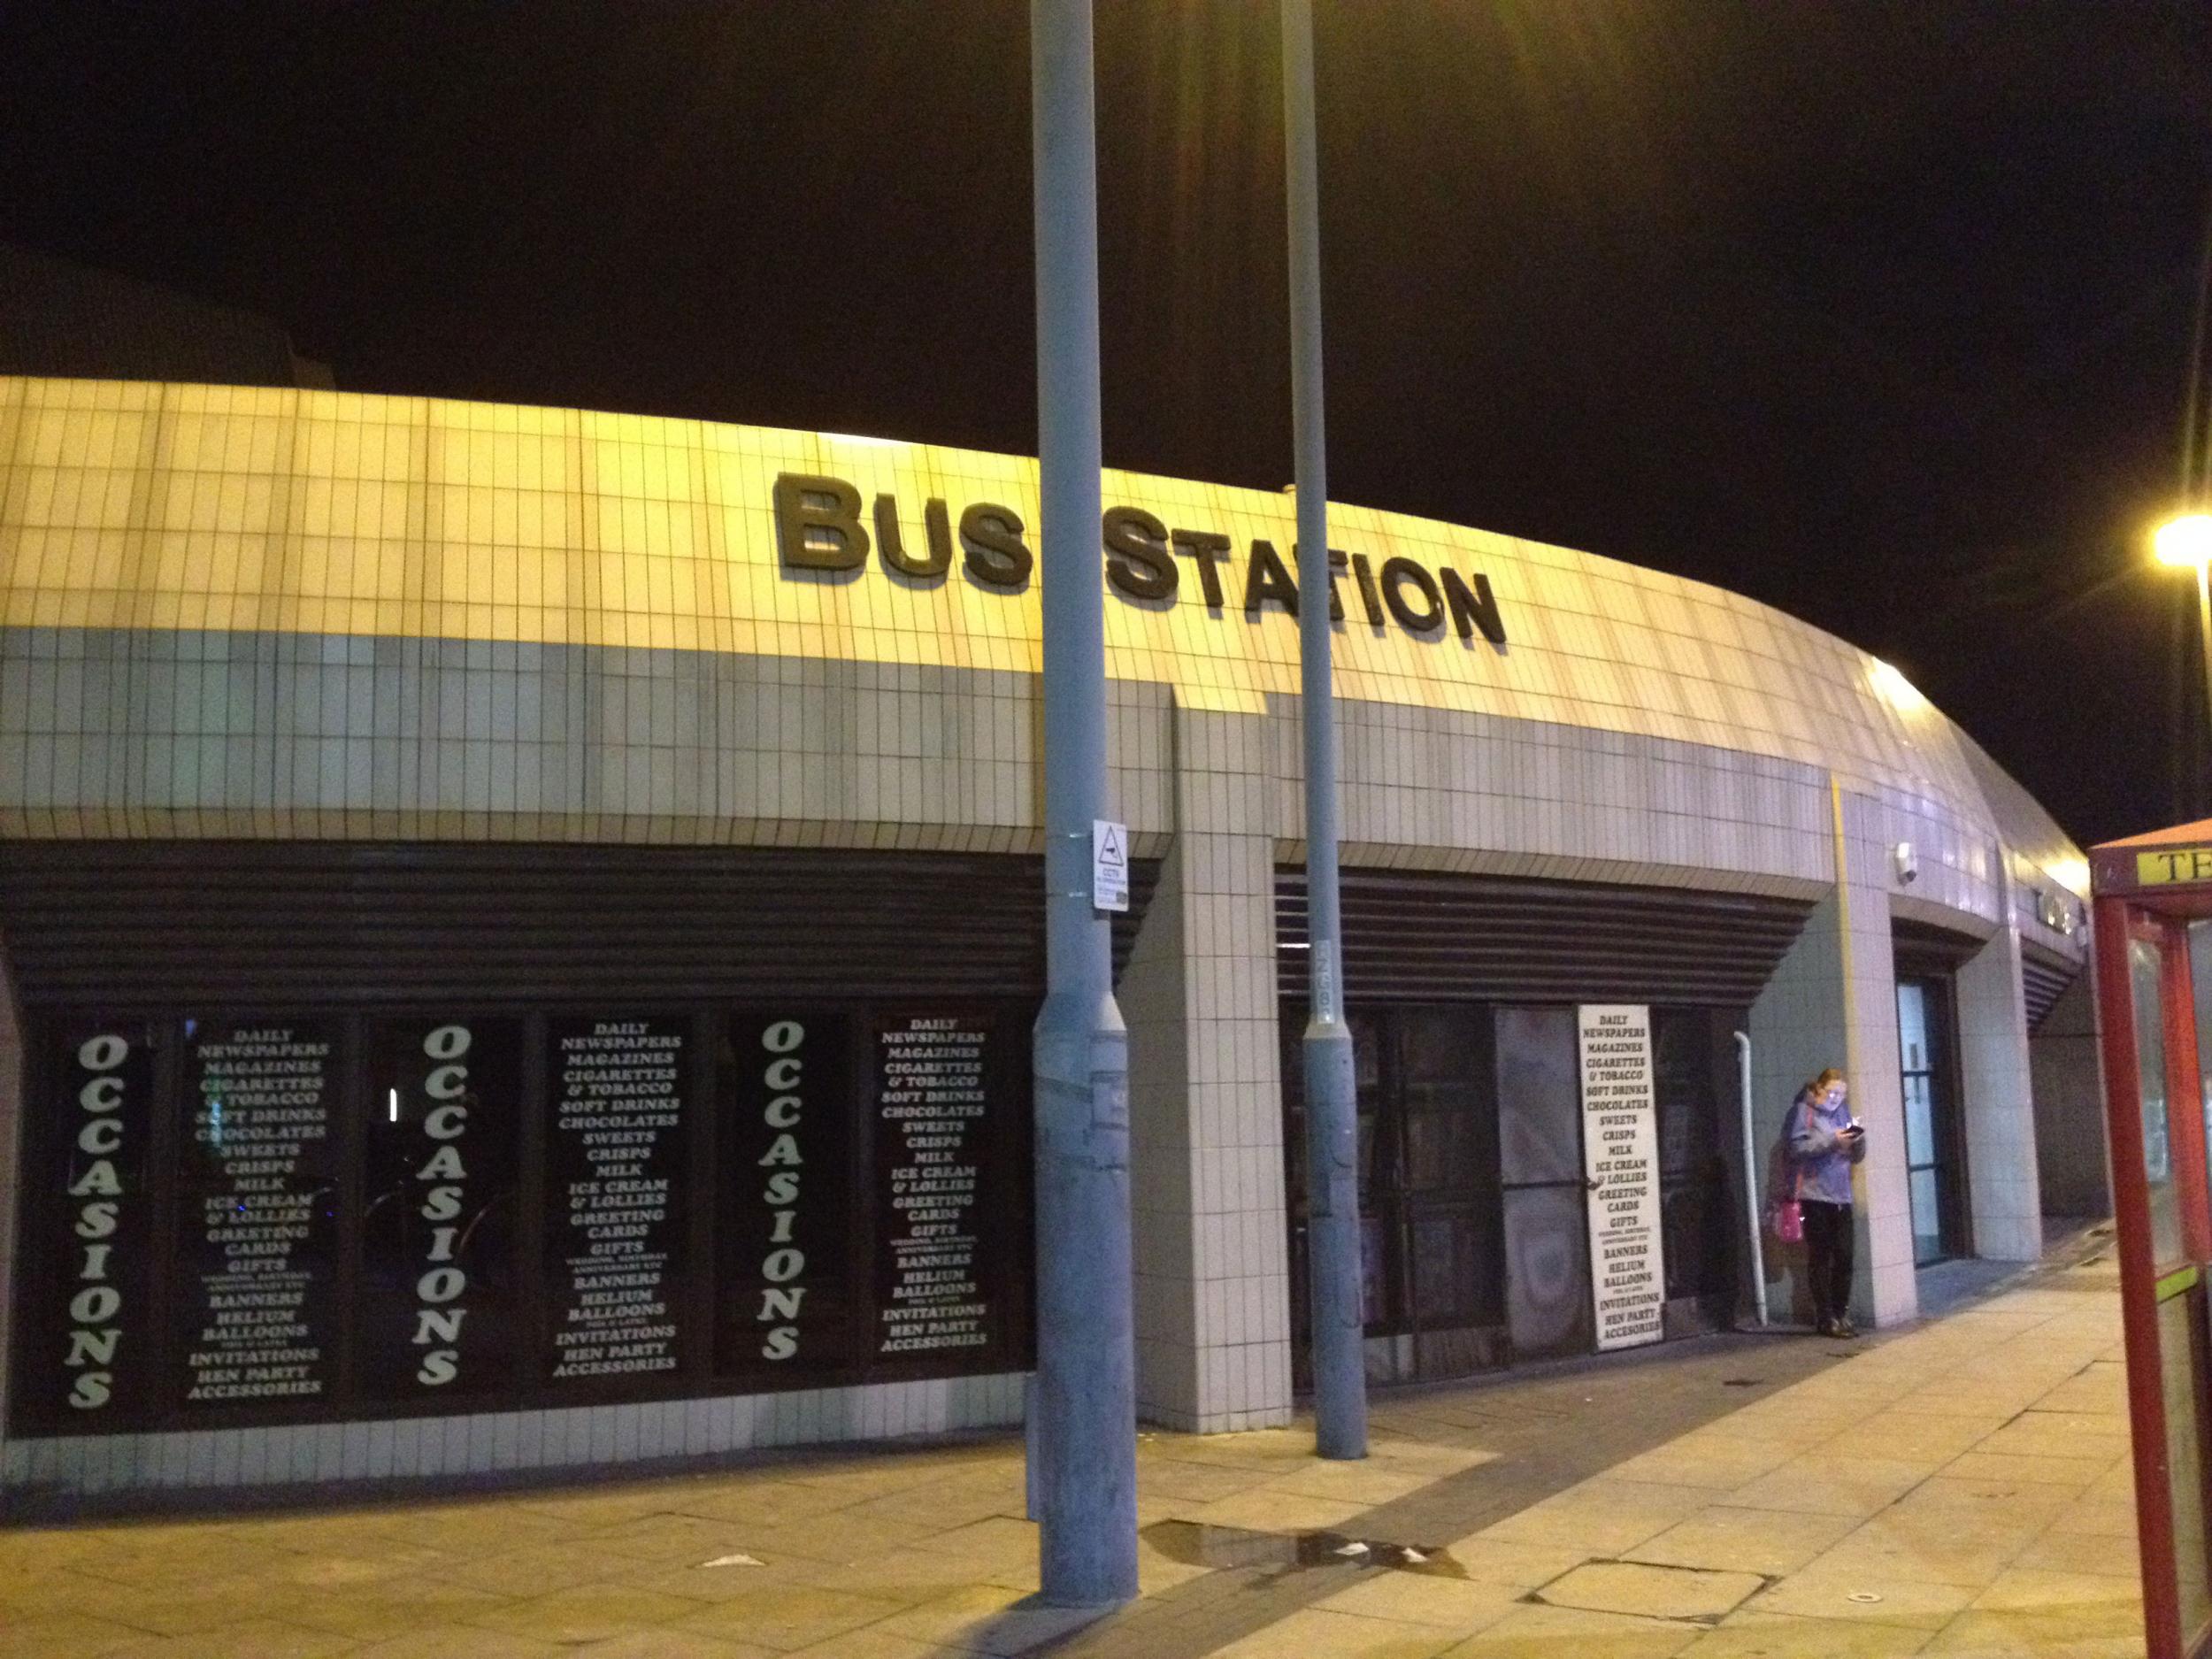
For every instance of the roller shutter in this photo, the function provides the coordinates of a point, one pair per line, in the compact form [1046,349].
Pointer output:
[1415,937]
[2044,979]
[167,923]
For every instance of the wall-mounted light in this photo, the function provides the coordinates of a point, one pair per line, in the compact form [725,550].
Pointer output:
[2056,912]
[1907,864]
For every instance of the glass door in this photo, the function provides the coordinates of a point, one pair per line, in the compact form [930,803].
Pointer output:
[1547,1225]
[1695,1086]
[1447,1208]
[1934,1145]
[1431,1289]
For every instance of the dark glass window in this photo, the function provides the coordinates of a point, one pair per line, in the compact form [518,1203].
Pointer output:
[257,1180]
[1695,1086]
[439,1311]
[342,1214]
[83,1336]
[620,1095]
[788,1303]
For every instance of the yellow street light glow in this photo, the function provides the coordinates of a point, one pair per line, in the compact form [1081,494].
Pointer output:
[2186,542]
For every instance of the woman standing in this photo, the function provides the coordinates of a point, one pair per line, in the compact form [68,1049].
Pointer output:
[1825,1141]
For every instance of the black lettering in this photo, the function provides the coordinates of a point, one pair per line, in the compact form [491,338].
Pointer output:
[1207,548]
[1337,562]
[1266,579]
[817,523]
[992,536]
[1370,597]
[1396,573]
[1475,609]
[1137,559]
[892,546]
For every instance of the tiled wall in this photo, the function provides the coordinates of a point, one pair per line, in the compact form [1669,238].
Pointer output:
[161,508]
[1997,1103]
[1797,1030]
[1878,1092]
[105,733]
[491,1441]
[237,613]
[1441,790]
[1831,1001]
[2072,1156]
[1213,1302]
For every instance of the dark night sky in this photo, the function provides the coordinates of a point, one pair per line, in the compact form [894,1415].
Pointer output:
[1879,312]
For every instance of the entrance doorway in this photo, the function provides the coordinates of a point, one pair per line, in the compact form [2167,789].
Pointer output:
[1474,1192]
[1934,1143]
[1547,1225]
[1428,1181]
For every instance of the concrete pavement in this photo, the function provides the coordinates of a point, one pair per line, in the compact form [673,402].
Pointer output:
[1960,1489]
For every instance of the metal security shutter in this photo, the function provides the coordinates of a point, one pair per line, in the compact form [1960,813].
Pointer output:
[1416,937]
[2043,980]
[168,924]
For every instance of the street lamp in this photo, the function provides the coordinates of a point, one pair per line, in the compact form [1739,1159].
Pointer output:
[1333,1230]
[1083,1432]
[2186,541]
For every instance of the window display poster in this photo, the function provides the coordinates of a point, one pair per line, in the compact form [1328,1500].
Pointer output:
[258,1194]
[84,1325]
[785,1287]
[439,1311]
[935,1187]
[617,1184]
[1620,1153]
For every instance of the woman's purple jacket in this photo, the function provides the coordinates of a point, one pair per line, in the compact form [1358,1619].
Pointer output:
[1818,1153]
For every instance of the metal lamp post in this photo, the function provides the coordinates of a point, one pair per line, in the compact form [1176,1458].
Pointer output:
[2187,543]
[1333,1234]
[1083,1435]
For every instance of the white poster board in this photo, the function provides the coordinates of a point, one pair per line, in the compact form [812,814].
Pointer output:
[1620,1155]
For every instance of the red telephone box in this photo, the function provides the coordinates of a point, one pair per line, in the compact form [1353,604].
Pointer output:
[2153,942]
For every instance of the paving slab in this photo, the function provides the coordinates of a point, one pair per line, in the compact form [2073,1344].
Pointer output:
[1958,1487]
[1701,1594]
[1765,1541]
[1766,1635]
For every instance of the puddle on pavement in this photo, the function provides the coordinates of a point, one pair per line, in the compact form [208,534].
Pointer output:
[1196,1544]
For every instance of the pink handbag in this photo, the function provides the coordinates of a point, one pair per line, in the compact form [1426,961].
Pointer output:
[1789,1222]
[1788,1216]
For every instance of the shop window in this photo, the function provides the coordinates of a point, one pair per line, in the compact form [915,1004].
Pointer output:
[342,1215]
[787,1307]
[621,1094]
[257,1183]
[84,1333]
[438,1311]
[952,1187]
